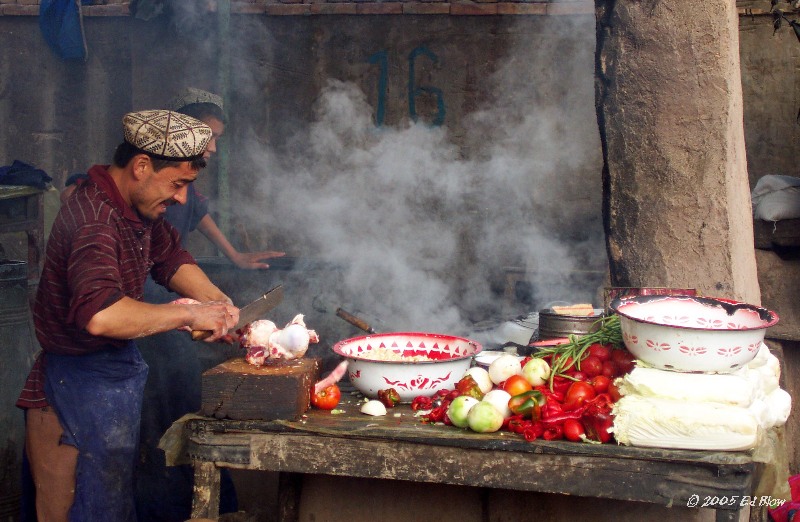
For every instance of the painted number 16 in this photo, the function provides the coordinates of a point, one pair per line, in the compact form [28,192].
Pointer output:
[381,58]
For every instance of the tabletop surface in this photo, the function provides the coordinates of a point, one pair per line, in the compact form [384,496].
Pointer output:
[401,424]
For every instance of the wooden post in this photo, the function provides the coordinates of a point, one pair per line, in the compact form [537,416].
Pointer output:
[677,209]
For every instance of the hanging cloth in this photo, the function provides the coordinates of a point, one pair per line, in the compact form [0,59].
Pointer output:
[61,24]
[98,398]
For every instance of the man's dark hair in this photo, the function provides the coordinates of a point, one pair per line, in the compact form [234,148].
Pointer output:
[203,110]
[125,152]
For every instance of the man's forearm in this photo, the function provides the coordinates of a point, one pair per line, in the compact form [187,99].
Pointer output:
[191,281]
[209,228]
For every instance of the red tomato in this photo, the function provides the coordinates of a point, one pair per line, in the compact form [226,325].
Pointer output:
[577,375]
[573,430]
[613,392]
[327,398]
[610,369]
[592,365]
[601,383]
[624,360]
[516,384]
[578,393]
[601,351]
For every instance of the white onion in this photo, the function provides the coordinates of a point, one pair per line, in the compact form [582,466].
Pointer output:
[374,408]
[504,367]
[499,399]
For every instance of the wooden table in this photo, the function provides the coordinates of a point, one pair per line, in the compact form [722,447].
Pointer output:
[399,447]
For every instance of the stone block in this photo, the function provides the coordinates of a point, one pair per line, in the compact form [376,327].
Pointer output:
[421,8]
[472,8]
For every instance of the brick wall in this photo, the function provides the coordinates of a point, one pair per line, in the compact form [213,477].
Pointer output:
[341,7]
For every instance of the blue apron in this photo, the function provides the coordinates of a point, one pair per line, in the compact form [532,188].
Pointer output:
[98,398]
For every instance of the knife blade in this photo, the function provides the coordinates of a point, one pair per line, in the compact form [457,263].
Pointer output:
[260,306]
[251,311]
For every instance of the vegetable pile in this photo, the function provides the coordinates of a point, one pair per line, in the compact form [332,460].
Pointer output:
[562,392]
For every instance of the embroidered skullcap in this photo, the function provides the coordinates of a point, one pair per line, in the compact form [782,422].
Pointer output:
[166,134]
[191,95]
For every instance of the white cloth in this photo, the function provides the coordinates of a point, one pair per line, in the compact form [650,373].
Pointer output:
[776,197]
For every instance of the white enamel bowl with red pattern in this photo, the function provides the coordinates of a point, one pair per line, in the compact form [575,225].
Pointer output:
[447,358]
[692,334]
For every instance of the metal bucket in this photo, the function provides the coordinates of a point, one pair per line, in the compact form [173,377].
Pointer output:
[556,326]
[17,349]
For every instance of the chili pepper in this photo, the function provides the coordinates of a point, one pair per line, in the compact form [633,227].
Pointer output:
[517,424]
[441,393]
[421,403]
[561,384]
[526,404]
[468,386]
[552,408]
[435,415]
[597,425]
[533,432]
[550,395]
[447,421]
[389,397]
[557,420]
[452,395]
[553,432]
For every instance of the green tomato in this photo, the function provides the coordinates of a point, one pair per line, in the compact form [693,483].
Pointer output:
[459,410]
[484,418]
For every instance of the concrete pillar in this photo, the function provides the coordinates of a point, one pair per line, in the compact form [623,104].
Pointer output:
[669,102]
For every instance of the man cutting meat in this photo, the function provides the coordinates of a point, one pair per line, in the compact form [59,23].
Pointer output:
[83,395]
[177,362]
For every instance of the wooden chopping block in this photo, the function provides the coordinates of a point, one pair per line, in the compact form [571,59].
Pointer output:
[239,390]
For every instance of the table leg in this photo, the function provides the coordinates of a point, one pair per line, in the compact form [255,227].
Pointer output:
[205,503]
[290,486]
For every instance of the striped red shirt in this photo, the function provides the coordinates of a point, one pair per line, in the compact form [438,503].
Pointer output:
[99,250]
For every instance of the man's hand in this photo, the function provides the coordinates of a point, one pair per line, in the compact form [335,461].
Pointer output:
[213,318]
[254,260]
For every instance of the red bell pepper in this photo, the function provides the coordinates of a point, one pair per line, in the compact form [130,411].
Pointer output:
[389,397]
[468,386]
[421,403]
[553,432]
[516,424]
[534,431]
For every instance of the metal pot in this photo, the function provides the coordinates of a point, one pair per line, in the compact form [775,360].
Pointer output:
[556,326]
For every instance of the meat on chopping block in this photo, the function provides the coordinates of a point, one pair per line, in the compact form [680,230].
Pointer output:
[267,344]
[239,390]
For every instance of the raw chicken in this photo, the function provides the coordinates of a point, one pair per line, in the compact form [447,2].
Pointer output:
[266,343]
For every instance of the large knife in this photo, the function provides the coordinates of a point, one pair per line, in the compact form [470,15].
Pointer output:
[259,307]
[251,311]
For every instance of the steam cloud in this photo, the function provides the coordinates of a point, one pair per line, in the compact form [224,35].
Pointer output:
[425,227]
